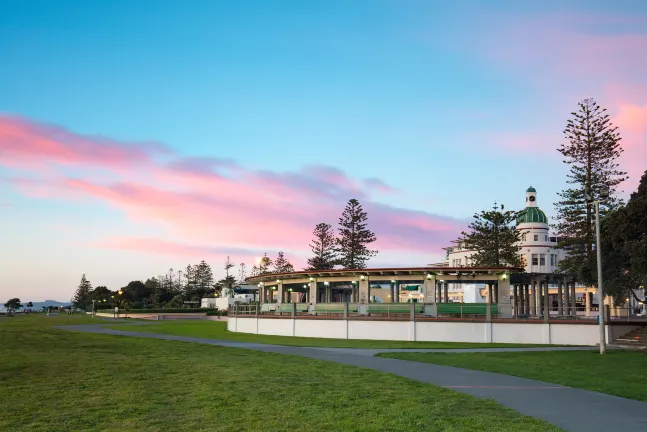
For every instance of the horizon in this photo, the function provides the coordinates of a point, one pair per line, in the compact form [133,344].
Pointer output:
[137,137]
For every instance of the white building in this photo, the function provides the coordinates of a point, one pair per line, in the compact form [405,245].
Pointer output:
[537,248]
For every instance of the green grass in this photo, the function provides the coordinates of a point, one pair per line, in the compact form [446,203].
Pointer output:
[218,330]
[620,373]
[56,380]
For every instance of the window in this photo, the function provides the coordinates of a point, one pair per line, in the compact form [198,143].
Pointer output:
[542,260]
[552,259]
[523,237]
[536,237]
[545,238]
[534,259]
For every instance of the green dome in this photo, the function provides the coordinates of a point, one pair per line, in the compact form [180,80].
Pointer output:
[531,215]
[531,189]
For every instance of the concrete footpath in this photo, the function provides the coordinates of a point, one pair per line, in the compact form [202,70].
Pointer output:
[568,408]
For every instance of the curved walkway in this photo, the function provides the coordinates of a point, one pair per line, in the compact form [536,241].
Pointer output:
[569,408]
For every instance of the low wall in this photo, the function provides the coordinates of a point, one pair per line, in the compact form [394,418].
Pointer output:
[162,316]
[530,332]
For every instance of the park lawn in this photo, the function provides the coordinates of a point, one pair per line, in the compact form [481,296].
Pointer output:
[620,373]
[58,380]
[218,330]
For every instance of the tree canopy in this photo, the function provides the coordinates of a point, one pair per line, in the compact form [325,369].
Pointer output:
[624,245]
[323,248]
[591,151]
[354,237]
[494,237]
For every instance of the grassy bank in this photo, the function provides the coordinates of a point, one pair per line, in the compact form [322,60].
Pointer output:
[218,330]
[56,380]
[620,373]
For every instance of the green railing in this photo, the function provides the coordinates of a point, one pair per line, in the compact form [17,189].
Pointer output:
[462,309]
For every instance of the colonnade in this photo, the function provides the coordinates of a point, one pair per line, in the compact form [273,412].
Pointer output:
[533,298]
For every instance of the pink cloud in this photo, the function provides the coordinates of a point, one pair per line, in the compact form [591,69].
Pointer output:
[632,125]
[27,141]
[214,205]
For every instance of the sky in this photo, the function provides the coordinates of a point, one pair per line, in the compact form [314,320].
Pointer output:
[138,136]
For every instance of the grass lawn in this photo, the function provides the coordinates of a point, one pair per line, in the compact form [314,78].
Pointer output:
[218,330]
[56,380]
[620,373]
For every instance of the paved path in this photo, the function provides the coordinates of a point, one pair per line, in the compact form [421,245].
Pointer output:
[569,408]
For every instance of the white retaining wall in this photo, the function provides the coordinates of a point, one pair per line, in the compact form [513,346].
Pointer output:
[440,331]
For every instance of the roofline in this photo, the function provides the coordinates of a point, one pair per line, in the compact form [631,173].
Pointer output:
[382,272]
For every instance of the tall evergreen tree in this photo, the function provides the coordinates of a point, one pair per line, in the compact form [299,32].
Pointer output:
[242,274]
[592,150]
[494,237]
[282,265]
[82,295]
[323,248]
[354,237]
[624,246]
[204,277]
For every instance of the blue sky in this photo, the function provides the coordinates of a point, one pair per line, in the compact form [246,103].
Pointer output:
[451,104]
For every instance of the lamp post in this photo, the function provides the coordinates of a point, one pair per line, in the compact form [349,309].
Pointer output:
[93,313]
[604,194]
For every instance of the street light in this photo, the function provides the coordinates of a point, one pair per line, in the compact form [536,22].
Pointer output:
[604,194]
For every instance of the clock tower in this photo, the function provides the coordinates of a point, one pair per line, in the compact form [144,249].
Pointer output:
[531,197]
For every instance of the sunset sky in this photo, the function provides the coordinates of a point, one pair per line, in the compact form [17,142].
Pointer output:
[138,136]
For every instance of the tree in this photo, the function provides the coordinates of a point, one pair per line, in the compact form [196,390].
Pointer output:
[624,246]
[242,274]
[354,237]
[323,248]
[264,265]
[12,305]
[592,150]
[30,305]
[204,277]
[81,297]
[282,265]
[495,238]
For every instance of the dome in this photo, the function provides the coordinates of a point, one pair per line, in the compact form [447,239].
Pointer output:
[531,189]
[531,215]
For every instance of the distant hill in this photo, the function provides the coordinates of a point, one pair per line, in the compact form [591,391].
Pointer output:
[46,303]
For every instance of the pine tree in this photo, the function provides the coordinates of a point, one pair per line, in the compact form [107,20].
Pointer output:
[494,237]
[282,265]
[592,150]
[354,237]
[242,274]
[82,294]
[204,277]
[323,248]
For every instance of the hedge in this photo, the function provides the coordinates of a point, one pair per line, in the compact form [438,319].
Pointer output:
[162,310]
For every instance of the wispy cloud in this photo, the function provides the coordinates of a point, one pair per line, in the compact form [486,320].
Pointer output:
[215,205]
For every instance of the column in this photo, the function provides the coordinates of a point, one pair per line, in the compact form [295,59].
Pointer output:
[396,290]
[533,298]
[526,299]
[546,302]
[567,299]
[364,291]
[439,292]
[488,310]
[279,287]
[540,298]
[495,292]
[429,292]
[560,303]
[502,298]
[515,300]
[588,295]
[574,298]
[446,292]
